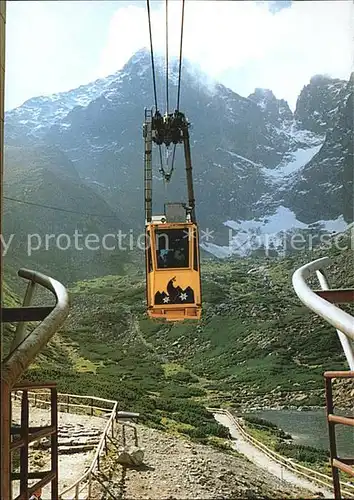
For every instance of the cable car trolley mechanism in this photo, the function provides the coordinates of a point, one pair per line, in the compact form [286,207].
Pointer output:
[172,252]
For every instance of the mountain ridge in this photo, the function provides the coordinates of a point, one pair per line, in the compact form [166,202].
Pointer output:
[249,153]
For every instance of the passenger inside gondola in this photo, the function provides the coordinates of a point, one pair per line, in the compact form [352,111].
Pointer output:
[172,248]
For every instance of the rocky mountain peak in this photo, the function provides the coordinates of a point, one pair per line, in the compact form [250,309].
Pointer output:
[318,103]
[248,152]
[263,94]
[139,62]
[320,80]
[277,109]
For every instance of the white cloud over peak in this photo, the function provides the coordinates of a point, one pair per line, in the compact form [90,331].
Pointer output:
[57,46]
[243,44]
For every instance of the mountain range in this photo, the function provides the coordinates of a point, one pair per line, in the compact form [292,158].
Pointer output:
[258,166]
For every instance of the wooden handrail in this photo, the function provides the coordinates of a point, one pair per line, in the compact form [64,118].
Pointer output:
[90,407]
[95,462]
[60,394]
[285,462]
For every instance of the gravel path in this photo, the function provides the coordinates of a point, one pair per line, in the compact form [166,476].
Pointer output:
[262,460]
[176,468]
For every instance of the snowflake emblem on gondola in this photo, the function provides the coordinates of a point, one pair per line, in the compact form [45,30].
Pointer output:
[166,300]
[207,234]
[183,296]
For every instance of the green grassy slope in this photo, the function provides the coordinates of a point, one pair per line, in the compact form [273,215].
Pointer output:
[44,175]
[256,344]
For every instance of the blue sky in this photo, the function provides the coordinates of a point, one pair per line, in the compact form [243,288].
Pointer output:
[57,46]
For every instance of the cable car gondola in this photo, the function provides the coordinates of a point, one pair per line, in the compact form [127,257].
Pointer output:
[173,288]
[172,252]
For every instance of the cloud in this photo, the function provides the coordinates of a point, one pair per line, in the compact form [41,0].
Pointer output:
[57,46]
[53,46]
[277,5]
[243,44]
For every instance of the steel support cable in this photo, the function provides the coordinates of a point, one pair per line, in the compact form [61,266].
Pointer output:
[179,77]
[152,54]
[153,72]
[58,209]
[162,170]
[173,159]
[167,100]
[167,174]
[180,58]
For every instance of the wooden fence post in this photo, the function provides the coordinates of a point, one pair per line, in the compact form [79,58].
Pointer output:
[89,493]
[113,423]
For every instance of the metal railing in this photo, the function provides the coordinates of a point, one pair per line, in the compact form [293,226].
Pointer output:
[106,408]
[23,435]
[311,475]
[337,463]
[25,348]
[322,303]
[23,351]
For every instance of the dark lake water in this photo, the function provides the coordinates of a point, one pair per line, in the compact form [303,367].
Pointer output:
[310,428]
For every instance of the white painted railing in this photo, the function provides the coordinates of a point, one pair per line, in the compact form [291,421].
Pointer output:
[341,320]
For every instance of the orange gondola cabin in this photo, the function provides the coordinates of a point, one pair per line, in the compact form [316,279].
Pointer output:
[172,270]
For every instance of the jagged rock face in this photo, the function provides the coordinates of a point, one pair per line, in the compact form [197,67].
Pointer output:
[229,135]
[33,118]
[324,187]
[278,110]
[319,102]
[250,155]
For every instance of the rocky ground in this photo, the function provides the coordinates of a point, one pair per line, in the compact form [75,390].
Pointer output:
[173,467]
[343,397]
[176,468]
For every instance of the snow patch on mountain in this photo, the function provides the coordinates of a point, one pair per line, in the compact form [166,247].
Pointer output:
[38,114]
[291,163]
[303,136]
[337,225]
[239,157]
[221,252]
[246,236]
[282,219]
